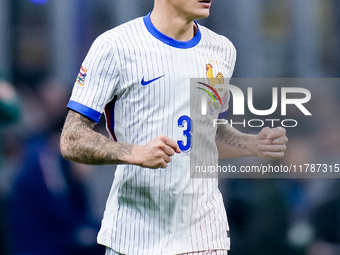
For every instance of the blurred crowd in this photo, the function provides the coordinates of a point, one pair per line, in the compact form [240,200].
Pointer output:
[45,205]
[52,206]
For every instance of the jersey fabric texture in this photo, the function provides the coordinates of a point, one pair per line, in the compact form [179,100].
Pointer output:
[109,251]
[140,79]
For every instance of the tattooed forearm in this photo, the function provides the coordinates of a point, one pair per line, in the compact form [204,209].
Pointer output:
[231,137]
[81,144]
[233,144]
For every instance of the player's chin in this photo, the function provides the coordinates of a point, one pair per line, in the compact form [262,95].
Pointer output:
[202,14]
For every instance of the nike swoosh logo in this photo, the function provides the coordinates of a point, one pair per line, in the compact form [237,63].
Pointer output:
[144,83]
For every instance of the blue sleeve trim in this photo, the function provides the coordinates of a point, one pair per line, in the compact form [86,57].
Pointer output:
[223,115]
[84,110]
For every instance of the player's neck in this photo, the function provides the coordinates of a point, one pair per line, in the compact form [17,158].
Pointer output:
[173,26]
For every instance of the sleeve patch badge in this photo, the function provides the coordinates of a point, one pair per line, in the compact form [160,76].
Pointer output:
[81,76]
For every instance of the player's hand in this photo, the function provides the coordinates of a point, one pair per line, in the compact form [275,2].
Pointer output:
[156,154]
[271,143]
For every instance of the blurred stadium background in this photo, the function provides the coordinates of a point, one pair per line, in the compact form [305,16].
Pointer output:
[52,207]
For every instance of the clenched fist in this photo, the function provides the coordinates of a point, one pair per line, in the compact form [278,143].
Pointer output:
[156,154]
[271,143]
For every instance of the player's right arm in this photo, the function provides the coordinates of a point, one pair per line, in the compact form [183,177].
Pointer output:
[80,143]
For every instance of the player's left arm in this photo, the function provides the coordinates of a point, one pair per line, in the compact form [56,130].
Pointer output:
[269,143]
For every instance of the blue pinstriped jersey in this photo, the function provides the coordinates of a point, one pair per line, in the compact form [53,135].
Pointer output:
[140,79]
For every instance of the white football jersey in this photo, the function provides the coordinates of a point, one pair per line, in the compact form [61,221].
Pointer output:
[140,79]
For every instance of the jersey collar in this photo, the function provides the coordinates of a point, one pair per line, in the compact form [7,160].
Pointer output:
[168,40]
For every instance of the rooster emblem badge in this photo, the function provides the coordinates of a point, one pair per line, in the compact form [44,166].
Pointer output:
[219,79]
[209,89]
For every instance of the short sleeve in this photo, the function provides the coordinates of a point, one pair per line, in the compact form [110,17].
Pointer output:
[97,80]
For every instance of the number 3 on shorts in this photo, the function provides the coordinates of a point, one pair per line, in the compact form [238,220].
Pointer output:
[185,146]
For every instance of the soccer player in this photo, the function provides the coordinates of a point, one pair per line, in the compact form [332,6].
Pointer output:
[138,75]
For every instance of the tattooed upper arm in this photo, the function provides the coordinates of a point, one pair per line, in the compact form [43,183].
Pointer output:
[80,143]
[75,120]
[73,130]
